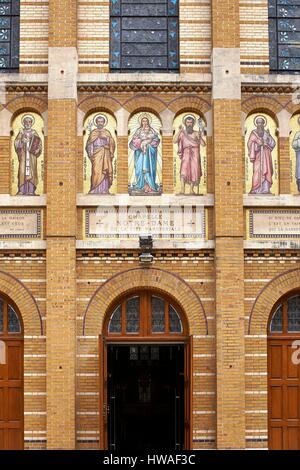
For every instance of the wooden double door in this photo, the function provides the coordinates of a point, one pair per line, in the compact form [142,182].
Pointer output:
[11,397]
[11,377]
[284,395]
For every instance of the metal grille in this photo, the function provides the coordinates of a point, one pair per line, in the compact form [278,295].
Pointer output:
[144,35]
[9,35]
[284,35]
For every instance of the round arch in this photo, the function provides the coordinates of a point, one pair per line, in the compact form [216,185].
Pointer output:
[134,279]
[267,298]
[20,295]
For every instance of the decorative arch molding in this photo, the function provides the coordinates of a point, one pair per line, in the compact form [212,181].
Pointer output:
[143,101]
[24,103]
[189,103]
[261,103]
[24,300]
[268,296]
[151,278]
[97,102]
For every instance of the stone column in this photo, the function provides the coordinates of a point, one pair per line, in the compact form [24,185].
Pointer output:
[61,225]
[229,256]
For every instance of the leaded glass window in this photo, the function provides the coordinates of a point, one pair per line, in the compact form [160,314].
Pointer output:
[294,314]
[10,322]
[276,322]
[158,315]
[144,35]
[133,315]
[115,321]
[13,321]
[145,314]
[9,35]
[174,321]
[284,35]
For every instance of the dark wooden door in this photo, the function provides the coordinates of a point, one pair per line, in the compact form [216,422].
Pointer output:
[11,396]
[283,395]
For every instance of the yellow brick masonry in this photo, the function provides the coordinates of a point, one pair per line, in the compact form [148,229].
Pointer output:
[228,227]
[61,233]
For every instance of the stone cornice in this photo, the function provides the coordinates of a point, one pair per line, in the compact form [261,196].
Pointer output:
[144,87]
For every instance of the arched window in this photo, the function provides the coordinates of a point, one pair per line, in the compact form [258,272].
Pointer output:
[10,323]
[285,318]
[146,314]
[284,33]
[9,35]
[144,36]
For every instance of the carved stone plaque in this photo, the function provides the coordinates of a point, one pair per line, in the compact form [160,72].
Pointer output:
[20,223]
[130,222]
[268,223]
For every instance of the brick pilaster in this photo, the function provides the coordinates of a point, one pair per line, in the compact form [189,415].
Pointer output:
[228,183]
[61,225]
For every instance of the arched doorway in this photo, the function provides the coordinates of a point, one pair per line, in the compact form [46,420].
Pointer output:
[145,374]
[11,377]
[284,374]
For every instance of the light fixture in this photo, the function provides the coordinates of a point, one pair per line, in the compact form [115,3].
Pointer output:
[146,245]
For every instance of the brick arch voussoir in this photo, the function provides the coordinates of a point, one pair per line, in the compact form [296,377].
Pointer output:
[268,296]
[93,103]
[141,102]
[23,103]
[189,103]
[262,103]
[151,278]
[24,300]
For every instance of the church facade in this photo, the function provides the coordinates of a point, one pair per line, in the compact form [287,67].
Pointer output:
[149,224]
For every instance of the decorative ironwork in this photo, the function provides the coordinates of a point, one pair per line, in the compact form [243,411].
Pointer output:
[133,315]
[144,35]
[13,321]
[294,314]
[277,321]
[284,35]
[9,35]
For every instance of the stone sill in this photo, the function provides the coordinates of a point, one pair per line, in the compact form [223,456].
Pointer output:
[90,200]
[134,244]
[283,200]
[6,200]
[23,244]
[275,244]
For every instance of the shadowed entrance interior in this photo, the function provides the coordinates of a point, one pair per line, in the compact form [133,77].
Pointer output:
[146,397]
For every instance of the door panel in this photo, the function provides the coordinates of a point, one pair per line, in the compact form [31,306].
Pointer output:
[283,396]
[13,361]
[276,402]
[11,398]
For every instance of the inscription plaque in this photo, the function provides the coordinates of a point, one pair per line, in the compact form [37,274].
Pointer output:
[131,222]
[267,223]
[20,223]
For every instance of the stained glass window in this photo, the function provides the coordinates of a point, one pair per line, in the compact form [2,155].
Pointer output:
[294,314]
[174,320]
[158,315]
[276,322]
[115,325]
[144,35]
[133,315]
[284,35]
[9,35]
[13,321]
